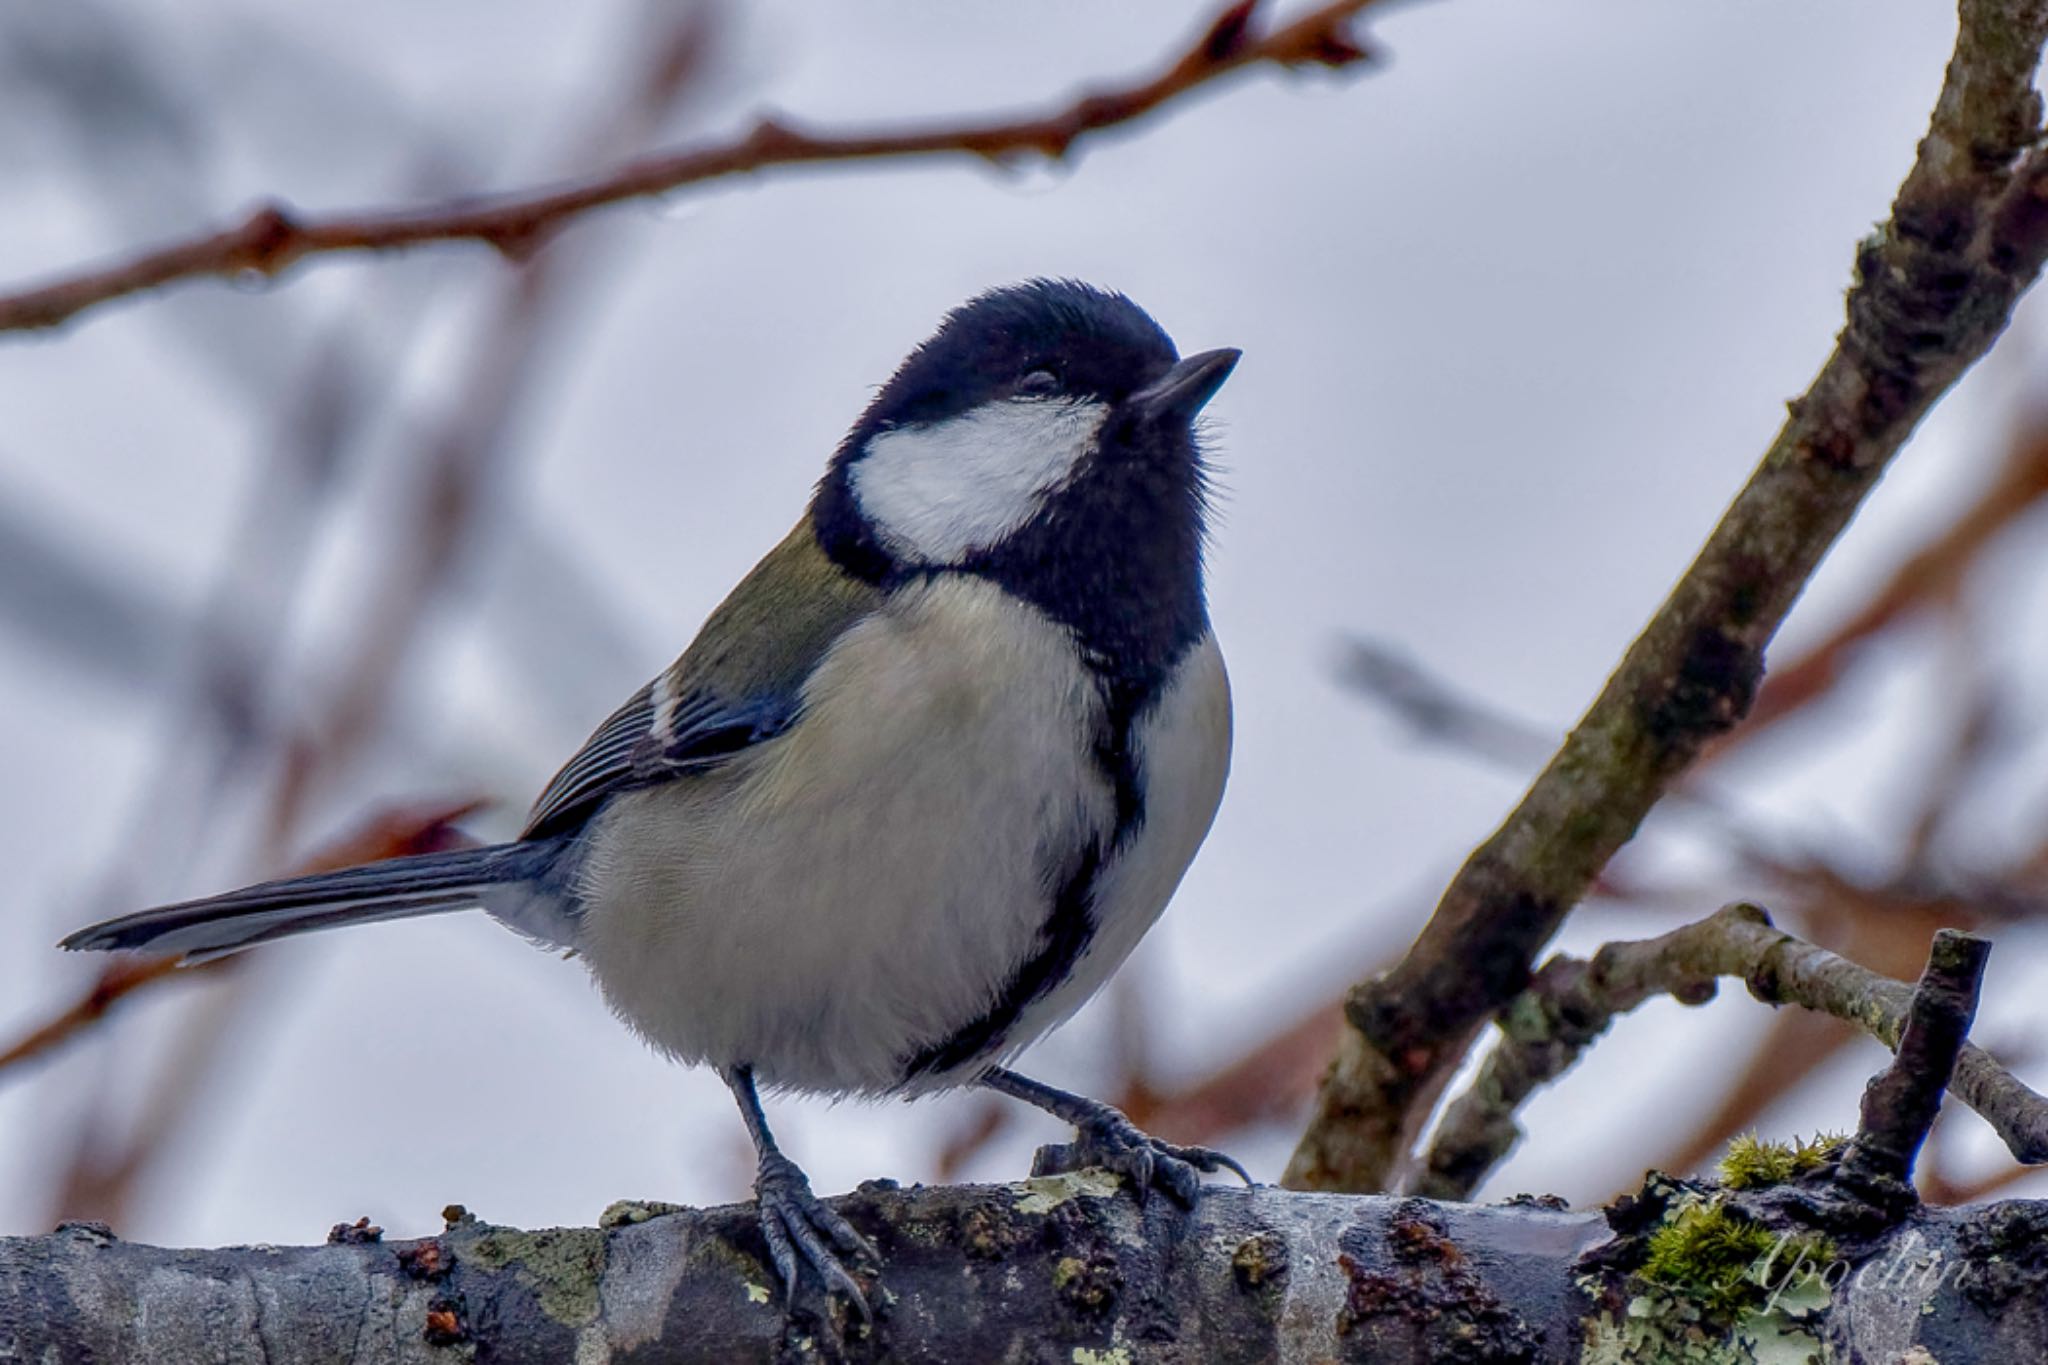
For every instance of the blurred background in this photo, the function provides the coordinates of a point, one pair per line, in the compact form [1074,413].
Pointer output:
[295,573]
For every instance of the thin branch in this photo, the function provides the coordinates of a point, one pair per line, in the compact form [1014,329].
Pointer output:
[516,224]
[1572,1002]
[1935,286]
[117,981]
[1901,1102]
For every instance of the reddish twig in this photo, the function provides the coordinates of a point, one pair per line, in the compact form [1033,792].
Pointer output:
[516,224]
[120,979]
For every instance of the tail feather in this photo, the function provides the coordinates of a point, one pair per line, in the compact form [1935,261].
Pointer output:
[398,888]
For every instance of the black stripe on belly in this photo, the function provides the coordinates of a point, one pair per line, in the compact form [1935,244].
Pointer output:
[1070,927]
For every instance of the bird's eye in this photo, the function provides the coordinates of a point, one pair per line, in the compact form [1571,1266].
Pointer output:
[1038,384]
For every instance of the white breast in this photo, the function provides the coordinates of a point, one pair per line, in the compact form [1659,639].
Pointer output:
[826,904]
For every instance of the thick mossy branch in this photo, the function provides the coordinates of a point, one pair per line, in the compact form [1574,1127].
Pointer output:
[1572,1001]
[1065,1270]
[1934,287]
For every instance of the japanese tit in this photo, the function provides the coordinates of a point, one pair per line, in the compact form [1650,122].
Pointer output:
[920,783]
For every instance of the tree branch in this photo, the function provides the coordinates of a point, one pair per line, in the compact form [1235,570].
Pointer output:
[516,224]
[1066,1268]
[1901,1102]
[1935,286]
[1572,1002]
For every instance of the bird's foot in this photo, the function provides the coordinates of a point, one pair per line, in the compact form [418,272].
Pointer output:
[1104,1137]
[798,1223]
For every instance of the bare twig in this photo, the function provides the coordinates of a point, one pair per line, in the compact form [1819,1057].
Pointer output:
[516,224]
[1935,286]
[117,981]
[1900,1103]
[1572,1001]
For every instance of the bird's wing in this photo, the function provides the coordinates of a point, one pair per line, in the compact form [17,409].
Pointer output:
[739,683]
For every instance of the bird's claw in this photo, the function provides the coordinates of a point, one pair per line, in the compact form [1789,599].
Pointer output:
[1109,1140]
[797,1223]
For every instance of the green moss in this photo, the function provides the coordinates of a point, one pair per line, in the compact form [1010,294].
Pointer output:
[1753,1163]
[1726,1262]
[1706,1252]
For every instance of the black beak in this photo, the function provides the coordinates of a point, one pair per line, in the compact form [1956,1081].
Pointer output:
[1179,394]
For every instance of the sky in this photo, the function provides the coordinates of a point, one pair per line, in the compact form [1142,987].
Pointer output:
[1520,305]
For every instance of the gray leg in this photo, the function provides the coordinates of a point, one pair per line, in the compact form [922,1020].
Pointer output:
[1104,1137]
[792,1218]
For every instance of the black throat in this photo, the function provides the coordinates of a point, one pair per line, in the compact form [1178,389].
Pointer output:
[1116,557]
[1118,562]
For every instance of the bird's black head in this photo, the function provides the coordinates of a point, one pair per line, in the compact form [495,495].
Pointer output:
[1042,438]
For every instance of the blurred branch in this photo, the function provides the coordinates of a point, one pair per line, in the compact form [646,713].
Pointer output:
[1436,711]
[1270,1081]
[1938,1187]
[116,981]
[517,224]
[390,834]
[1935,286]
[1571,1002]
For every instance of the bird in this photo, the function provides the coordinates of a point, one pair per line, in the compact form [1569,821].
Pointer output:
[920,783]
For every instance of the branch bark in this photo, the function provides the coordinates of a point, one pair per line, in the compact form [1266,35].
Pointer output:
[516,224]
[1935,285]
[1063,1269]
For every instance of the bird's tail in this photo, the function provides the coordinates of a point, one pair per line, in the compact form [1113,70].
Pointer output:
[397,888]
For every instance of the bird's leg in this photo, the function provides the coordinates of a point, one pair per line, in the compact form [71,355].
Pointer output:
[1104,1137]
[794,1220]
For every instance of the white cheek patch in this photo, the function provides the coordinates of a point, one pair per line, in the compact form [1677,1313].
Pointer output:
[936,492]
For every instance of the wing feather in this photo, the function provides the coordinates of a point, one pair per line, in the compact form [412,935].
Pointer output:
[740,683]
